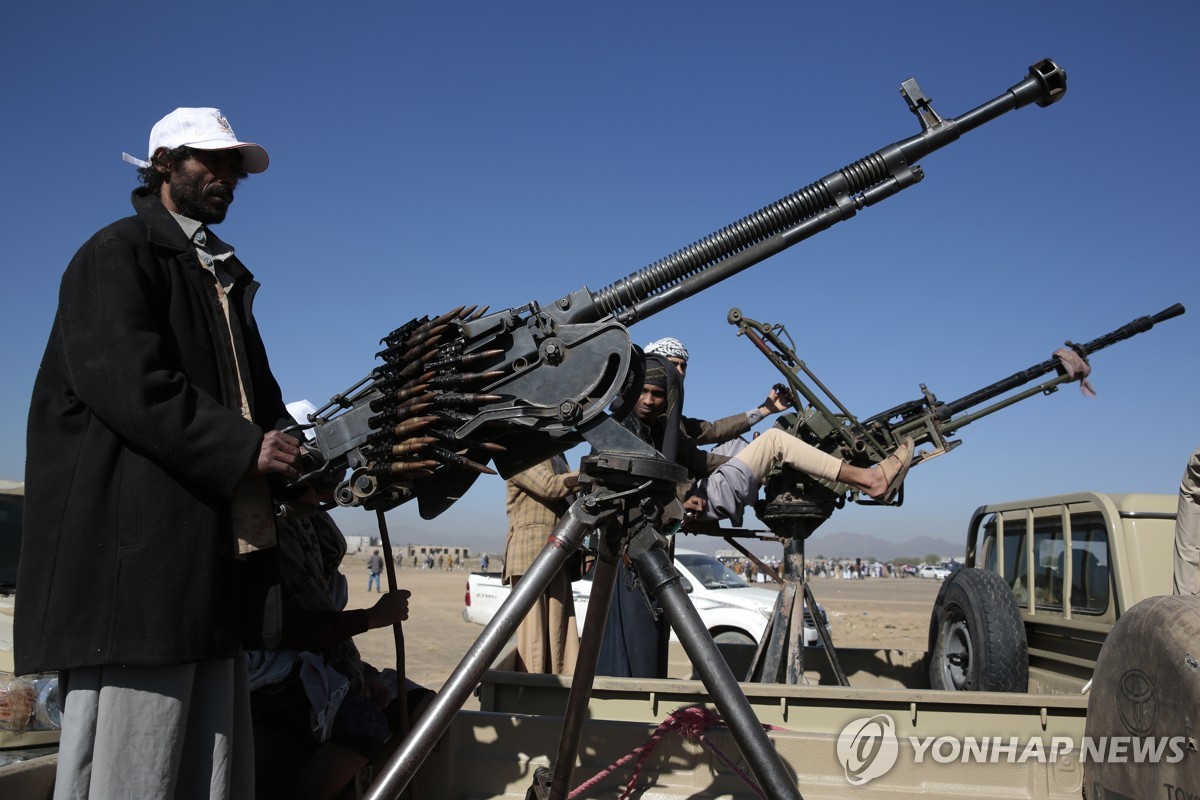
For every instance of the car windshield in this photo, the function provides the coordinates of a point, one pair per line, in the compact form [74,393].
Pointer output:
[710,572]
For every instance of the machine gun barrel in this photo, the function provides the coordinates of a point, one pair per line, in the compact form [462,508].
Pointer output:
[1139,325]
[808,211]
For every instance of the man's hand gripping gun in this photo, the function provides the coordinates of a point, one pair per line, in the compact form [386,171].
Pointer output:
[517,386]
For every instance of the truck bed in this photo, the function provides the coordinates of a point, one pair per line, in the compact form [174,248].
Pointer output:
[518,726]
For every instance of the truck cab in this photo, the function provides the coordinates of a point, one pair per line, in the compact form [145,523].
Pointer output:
[1074,563]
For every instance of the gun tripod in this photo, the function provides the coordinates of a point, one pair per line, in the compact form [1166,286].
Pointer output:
[628,491]
[780,654]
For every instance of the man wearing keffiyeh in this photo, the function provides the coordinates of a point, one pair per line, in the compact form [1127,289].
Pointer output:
[634,643]
[726,429]
[635,638]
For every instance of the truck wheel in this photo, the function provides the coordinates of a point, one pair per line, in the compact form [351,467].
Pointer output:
[733,637]
[977,639]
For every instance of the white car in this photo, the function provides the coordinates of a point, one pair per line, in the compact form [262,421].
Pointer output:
[927,571]
[731,609]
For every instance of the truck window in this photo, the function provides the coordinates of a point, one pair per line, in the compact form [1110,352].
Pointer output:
[1015,571]
[1047,558]
[1087,591]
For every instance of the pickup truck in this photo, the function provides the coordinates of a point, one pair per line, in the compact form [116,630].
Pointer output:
[1054,634]
[1055,657]
[733,611]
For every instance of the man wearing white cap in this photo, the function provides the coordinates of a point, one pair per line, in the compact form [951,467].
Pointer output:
[149,523]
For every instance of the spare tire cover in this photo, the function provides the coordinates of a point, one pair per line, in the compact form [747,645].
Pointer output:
[1146,690]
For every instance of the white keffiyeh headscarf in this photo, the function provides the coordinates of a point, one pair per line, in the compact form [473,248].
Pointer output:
[667,347]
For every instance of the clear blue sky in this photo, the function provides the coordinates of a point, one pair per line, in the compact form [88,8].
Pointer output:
[429,155]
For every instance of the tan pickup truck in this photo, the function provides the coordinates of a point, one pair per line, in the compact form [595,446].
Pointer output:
[1058,667]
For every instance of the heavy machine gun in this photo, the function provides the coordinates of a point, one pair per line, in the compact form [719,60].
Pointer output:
[520,385]
[516,386]
[795,504]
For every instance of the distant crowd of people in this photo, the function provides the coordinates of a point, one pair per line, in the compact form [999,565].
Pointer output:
[817,568]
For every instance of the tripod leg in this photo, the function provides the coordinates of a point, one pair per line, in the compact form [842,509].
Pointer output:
[794,571]
[659,576]
[603,583]
[581,518]
[772,650]
[826,641]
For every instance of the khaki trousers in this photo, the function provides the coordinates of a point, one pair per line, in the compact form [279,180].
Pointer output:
[1187,530]
[776,447]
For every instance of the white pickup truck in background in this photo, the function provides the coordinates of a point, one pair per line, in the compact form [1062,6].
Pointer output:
[732,610]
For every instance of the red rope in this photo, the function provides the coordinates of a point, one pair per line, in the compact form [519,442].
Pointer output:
[690,723]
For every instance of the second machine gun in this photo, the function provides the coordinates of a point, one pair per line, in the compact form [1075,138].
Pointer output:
[796,504]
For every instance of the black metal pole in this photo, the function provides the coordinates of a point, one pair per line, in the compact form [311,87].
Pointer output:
[659,576]
[583,516]
[603,583]
[401,710]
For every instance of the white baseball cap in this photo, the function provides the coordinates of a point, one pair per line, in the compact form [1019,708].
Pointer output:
[203,129]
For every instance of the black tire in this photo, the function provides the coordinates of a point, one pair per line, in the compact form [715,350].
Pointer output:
[977,640]
[1145,685]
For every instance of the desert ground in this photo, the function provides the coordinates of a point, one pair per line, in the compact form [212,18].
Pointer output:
[874,612]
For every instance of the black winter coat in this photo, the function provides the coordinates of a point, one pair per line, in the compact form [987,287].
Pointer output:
[135,445]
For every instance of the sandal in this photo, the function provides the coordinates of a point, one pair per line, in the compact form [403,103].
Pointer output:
[895,468]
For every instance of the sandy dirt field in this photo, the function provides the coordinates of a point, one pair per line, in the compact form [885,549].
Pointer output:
[879,612]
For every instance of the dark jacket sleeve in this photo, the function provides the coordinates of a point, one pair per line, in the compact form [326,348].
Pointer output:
[702,431]
[118,364]
[699,463]
[316,630]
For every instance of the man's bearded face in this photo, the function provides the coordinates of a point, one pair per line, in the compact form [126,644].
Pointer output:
[201,187]
[195,199]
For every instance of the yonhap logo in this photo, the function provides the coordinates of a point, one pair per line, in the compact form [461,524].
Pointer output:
[867,748]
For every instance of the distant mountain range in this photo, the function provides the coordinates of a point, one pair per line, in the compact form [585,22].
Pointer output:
[845,544]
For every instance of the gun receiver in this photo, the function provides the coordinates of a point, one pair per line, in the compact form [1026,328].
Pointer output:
[542,377]
[795,504]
